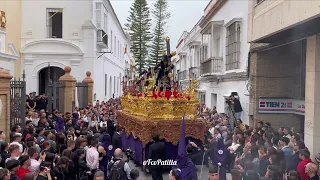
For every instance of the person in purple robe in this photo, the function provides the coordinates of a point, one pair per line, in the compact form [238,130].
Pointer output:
[188,169]
[106,144]
[75,117]
[59,123]
[220,158]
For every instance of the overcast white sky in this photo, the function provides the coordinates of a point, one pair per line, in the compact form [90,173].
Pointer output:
[185,14]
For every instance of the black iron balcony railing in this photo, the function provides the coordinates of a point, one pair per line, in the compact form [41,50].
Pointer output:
[102,38]
[211,66]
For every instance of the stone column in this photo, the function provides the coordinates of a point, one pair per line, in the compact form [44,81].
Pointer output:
[89,80]
[69,90]
[5,78]
[312,96]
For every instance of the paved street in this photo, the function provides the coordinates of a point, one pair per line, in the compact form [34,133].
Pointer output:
[146,176]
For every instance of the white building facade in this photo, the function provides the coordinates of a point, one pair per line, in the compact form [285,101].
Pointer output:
[218,47]
[63,33]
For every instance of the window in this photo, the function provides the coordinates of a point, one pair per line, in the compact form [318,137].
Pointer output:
[110,87]
[98,15]
[105,22]
[121,52]
[114,86]
[233,46]
[105,84]
[118,85]
[54,23]
[115,46]
[118,49]
[202,98]
[111,42]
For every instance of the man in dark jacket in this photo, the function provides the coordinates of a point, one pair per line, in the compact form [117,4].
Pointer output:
[116,139]
[295,160]
[194,153]
[156,152]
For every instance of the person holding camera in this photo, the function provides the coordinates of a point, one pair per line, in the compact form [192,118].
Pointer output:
[118,169]
[44,173]
[237,107]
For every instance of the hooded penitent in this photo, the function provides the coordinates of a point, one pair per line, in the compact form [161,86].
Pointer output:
[188,169]
[220,157]
[106,144]
[59,124]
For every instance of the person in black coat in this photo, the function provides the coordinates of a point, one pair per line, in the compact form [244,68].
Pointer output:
[116,139]
[194,153]
[295,160]
[110,127]
[156,152]
[5,154]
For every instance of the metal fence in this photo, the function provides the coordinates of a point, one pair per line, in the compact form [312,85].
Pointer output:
[56,96]
[17,103]
[82,94]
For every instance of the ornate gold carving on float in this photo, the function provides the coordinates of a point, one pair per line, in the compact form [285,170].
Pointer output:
[161,105]
[154,103]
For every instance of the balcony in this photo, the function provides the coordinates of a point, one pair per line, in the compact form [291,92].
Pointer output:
[102,39]
[194,72]
[184,75]
[211,66]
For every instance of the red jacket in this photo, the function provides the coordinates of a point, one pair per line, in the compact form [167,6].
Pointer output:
[302,169]
[21,172]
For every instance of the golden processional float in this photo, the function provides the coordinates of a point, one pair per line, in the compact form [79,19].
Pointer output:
[160,106]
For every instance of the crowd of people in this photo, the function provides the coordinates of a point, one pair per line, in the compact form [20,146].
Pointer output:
[86,144]
[253,153]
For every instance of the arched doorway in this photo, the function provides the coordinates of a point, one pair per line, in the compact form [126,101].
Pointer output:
[47,76]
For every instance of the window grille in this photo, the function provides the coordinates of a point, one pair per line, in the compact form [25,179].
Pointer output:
[233,46]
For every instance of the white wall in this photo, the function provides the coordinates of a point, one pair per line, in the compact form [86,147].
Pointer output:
[223,89]
[34,15]
[226,13]
[113,64]
[79,29]
[7,64]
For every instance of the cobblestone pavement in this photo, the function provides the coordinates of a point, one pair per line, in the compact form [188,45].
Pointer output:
[146,176]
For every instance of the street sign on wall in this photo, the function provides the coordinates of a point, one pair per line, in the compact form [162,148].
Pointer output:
[274,105]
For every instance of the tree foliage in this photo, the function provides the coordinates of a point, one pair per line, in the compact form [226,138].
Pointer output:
[160,13]
[138,25]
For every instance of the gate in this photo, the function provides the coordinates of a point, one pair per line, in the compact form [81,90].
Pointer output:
[17,103]
[82,94]
[55,96]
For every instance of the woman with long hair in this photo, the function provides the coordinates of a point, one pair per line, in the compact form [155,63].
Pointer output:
[31,131]
[61,168]
[60,143]
[71,174]
[81,167]
[94,125]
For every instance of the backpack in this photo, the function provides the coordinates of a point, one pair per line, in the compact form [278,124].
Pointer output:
[116,171]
